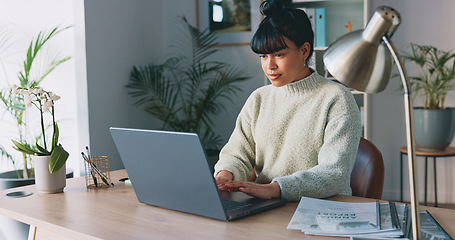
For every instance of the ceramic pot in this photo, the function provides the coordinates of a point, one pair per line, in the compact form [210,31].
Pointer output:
[45,181]
[434,128]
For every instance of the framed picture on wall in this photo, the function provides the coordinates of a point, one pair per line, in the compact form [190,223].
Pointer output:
[234,21]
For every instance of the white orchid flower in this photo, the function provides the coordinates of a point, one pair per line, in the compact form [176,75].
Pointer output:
[46,109]
[14,89]
[54,96]
[27,97]
[48,104]
[27,100]
[38,90]
[21,91]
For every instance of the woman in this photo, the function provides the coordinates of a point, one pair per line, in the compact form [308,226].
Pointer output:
[301,133]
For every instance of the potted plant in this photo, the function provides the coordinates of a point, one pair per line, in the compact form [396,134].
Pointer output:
[33,72]
[187,91]
[50,173]
[435,78]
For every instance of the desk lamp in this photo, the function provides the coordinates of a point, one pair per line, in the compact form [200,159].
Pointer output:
[363,60]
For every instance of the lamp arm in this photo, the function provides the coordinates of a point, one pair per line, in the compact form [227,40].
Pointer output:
[400,65]
[415,213]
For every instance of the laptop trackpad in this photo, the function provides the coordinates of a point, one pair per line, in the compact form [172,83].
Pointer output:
[237,196]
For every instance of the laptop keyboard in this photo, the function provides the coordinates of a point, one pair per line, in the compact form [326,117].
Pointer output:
[233,205]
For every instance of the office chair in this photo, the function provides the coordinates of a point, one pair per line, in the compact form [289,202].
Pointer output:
[367,176]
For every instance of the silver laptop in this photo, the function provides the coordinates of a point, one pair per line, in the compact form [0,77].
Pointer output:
[170,170]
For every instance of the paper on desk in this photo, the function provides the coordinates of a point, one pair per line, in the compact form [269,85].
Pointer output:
[317,215]
[343,218]
[386,231]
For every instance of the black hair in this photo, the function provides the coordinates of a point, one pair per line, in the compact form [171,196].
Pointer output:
[281,20]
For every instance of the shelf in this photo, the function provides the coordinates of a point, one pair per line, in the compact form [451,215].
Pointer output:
[338,15]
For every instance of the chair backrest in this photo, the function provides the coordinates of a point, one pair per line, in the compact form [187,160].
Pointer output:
[367,176]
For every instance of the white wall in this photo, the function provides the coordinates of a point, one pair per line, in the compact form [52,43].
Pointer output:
[26,18]
[119,34]
[423,22]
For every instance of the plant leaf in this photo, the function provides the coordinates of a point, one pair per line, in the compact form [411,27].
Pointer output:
[40,148]
[435,74]
[55,137]
[58,158]
[24,148]
[32,55]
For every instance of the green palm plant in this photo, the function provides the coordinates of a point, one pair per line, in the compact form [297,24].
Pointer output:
[34,69]
[436,74]
[187,90]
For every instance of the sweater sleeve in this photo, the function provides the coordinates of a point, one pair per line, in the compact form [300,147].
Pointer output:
[336,157]
[238,155]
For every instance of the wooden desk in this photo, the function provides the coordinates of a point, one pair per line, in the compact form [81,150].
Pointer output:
[115,213]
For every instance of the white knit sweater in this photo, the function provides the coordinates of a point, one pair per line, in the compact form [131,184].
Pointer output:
[304,135]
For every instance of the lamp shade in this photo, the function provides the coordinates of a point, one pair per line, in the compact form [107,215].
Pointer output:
[360,59]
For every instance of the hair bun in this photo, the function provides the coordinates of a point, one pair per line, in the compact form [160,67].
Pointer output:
[268,7]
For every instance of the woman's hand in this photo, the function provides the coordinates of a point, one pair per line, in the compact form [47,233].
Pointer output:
[265,191]
[223,177]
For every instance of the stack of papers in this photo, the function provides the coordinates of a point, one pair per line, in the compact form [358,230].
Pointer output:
[346,219]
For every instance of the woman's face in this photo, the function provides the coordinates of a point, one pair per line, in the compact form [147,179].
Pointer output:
[287,65]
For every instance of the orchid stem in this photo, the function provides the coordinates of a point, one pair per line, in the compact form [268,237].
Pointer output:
[42,126]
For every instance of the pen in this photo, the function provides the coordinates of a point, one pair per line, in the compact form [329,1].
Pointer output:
[91,172]
[95,180]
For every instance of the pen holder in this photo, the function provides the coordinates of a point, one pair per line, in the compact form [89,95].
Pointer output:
[94,177]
